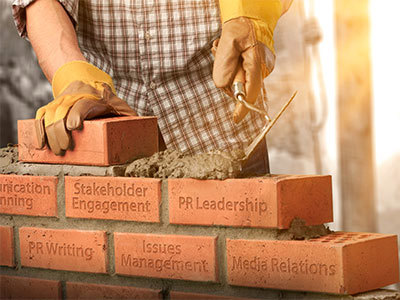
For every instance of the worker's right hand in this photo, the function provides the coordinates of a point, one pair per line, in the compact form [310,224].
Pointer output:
[240,57]
[81,91]
[245,50]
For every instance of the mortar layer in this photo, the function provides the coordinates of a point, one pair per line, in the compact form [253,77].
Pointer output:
[8,156]
[184,167]
[9,164]
[165,164]
[174,164]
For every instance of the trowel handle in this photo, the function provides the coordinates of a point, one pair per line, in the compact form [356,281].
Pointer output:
[238,87]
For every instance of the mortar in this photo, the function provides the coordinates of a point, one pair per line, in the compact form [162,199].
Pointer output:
[174,164]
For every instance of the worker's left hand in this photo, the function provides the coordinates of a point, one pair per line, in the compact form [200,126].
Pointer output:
[80,101]
[81,92]
[238,48]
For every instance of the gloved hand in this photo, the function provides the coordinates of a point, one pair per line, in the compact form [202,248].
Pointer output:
[81,91]
[245,47]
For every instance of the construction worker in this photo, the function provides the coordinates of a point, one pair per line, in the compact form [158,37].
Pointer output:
[156,56]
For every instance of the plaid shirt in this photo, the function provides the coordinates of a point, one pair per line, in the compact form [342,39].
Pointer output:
[158,54]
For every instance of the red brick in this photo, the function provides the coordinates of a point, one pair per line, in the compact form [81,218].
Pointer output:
[6,246]
[114,198]
[101,142]
[12,287]
[78,290]
[270,202]
[28,195]
[195,296]
[342,263]
[166,256]
[70,250]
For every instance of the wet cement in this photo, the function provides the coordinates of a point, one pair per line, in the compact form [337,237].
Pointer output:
[8,155]
[165,164]
[299,231]
[9,164]
[174,164]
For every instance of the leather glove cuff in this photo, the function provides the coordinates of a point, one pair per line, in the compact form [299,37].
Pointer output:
[78,71]
[264,15]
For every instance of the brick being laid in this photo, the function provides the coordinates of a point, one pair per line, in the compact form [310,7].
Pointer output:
[28,195]
[63,249]
[114,198]
[166,256]
[101,142]
[7,246]
[340,263]
[13,287]
[265,202]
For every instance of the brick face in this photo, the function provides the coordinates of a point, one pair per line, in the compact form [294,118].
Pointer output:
[114,198]
[342,263]
[135,138]
[78,290]
[101,142]
[308,197]
[6,246]
[253,202]
[70,250]
[28,195]
[166,256]
[12,287]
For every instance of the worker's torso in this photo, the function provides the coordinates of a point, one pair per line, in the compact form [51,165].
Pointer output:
[158,53]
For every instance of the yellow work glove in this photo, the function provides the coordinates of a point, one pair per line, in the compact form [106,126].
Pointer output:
[81,91]
[245,50]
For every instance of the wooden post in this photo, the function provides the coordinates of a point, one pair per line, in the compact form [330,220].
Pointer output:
[355,115]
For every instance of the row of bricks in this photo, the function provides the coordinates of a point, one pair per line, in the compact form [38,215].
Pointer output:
[270,202]
[340,262]
[12,287]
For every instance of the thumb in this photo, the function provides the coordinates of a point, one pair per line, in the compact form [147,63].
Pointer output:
[240,110]
[117,105]
[252,68]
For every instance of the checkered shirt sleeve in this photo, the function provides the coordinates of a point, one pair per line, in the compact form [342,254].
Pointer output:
[158,53]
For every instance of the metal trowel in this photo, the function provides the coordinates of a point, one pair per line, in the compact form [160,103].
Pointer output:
[239,94]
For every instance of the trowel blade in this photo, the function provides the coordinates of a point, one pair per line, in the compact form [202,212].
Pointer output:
[267,127]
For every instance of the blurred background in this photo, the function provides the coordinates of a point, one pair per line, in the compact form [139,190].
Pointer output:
[23,87]
[340,57]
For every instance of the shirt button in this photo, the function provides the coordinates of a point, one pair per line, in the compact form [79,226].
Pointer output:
[152,85]
[147,35]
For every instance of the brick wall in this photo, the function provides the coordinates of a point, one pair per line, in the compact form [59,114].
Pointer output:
[86,232]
